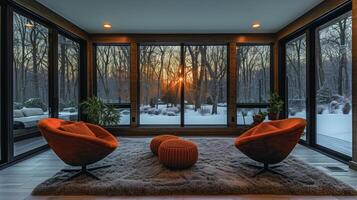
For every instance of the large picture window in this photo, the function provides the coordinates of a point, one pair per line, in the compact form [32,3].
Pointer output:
[253,81]
[296,77]
[113,78]
[334,85]
[30,82]
[205,85]
[160,84]
[68,77]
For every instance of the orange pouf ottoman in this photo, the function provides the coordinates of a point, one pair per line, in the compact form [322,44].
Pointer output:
[156,141]
[178,154]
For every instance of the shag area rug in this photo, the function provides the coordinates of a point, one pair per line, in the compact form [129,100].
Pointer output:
[220,169]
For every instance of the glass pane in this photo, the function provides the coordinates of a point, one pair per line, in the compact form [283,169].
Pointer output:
[296,77]
[333,85]
[30,82]
[160,85]
[206,85]
[113,76]
[253,85]
[68,78]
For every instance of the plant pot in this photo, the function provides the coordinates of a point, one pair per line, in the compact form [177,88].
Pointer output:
[273,116]
[258,119]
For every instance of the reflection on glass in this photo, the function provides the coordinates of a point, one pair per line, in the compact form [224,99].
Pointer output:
[30,82]
[333,85]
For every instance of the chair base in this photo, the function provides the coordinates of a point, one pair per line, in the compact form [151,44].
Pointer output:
[264,169]
[84,171]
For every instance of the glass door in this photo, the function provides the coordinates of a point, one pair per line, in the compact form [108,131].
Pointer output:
[334,85]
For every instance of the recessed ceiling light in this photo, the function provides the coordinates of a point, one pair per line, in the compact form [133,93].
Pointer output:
[107,26]
[29,25]
[256,25]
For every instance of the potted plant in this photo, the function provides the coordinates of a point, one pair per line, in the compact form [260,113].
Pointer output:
[275,106]
[97,112]
[259,117]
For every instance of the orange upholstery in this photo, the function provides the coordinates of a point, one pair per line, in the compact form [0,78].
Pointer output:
[156,142]
[77,127]
[77,149]
[271,142]
[178,154]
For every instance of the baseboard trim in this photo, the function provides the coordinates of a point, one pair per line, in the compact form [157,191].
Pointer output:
[353,165]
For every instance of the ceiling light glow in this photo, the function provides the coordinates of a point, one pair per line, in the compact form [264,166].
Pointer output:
[255,25]
[107,26]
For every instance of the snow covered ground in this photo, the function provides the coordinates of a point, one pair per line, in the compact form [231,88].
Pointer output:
[334,131]
[191,117]
[333,125]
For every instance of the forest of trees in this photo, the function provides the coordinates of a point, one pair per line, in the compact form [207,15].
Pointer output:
[160,75]
[204,76]
[30,61]
[113,73]
[296,74]
[68,72]
[334,62]
[253,85]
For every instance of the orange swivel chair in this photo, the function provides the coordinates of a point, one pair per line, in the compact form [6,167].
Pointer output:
[80,147]
[271,142]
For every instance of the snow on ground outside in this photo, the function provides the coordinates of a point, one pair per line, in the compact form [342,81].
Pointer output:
[191,117]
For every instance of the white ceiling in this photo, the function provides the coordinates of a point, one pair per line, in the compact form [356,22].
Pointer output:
[180,16]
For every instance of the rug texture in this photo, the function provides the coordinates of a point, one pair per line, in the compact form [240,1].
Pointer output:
[220,169]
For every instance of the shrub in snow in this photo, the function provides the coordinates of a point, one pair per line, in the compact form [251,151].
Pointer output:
[323,95]
[334,105]
[346,108]
[292,112]
[171,113]
[35,103]
[164,111]
[154,111]
[320,109]
[338,98]
[144,109]
[173,109]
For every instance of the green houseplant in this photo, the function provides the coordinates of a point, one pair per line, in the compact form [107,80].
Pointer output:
[275,106]
[98,112]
